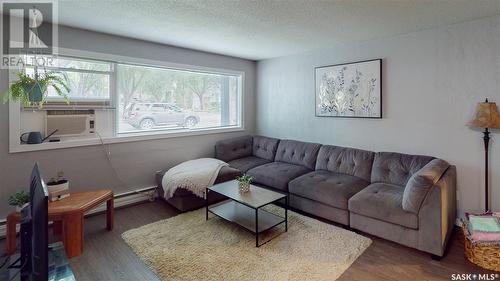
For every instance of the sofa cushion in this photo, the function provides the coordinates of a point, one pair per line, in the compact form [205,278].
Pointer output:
[349,161]
[382,201]
[246,163]
[396,168]
[298,153]
[230,149]
[277,174]
[264,147]
[333,189]
[421,182]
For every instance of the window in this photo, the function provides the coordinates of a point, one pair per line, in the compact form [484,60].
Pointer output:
[88,80]
[132,101]
[152,98]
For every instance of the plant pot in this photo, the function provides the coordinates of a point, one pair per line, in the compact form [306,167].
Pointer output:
[34,92]
[19,208]
[59,185]
[244,187]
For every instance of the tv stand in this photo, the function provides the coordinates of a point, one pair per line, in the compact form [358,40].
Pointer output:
[59,268]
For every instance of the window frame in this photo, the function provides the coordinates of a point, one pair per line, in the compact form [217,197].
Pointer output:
[15,108]
[177,67]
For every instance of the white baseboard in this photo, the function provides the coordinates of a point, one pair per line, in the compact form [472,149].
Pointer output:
[121,200]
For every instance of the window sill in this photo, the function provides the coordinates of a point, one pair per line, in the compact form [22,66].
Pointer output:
[130,137]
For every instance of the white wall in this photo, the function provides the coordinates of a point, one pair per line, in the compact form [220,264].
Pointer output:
[135,162]
[432,80]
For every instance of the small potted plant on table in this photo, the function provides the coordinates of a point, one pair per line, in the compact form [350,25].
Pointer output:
[58,188]
[19,200]
[244,183]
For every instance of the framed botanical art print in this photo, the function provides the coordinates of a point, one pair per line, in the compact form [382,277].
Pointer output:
[349,90]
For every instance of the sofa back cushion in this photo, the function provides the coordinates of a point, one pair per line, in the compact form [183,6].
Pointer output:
[230,149]
[396,168]
[298,153]
[421,182]
[264,147]
[344,160]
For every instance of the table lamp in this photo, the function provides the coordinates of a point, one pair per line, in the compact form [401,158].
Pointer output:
[486,117]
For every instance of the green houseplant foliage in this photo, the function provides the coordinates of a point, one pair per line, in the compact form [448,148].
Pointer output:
[244,179]
[18,199]
[33,90]
[244,183]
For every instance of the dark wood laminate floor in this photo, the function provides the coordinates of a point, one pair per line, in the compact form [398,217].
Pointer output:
[106,256]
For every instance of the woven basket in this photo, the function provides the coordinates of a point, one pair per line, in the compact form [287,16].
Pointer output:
[486,256]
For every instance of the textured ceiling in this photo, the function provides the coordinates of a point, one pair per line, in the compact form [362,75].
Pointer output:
[259,29]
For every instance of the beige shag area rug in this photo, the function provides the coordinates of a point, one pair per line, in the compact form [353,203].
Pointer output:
[186,247]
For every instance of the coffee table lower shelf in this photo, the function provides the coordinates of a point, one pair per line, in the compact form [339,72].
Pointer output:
[253,220]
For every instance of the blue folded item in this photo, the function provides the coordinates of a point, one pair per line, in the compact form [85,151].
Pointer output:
[484,224]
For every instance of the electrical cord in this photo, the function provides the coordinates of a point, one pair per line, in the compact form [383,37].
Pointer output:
[15,275]
[19,271]
[107,152]
[5,260]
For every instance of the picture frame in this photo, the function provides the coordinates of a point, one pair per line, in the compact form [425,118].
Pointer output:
[349,90]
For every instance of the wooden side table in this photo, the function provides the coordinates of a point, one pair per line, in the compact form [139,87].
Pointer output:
[67,215]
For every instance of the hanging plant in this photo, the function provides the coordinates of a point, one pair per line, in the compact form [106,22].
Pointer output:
[33,90]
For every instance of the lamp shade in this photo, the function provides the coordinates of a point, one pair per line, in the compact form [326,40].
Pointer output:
[486,116]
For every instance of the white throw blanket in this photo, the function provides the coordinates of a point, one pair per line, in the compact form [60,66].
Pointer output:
[193,175]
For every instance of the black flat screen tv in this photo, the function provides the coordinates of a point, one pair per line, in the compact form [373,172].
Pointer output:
[34,231]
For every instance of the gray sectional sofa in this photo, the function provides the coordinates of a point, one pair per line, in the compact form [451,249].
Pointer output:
[408,199]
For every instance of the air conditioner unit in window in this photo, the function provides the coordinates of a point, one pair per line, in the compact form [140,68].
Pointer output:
[70,123]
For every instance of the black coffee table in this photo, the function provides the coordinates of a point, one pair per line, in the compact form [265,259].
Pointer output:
[245,209]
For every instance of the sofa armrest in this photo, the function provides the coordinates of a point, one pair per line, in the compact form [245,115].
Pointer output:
[438,213]
[226,173]
[421,182]
[230,149]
